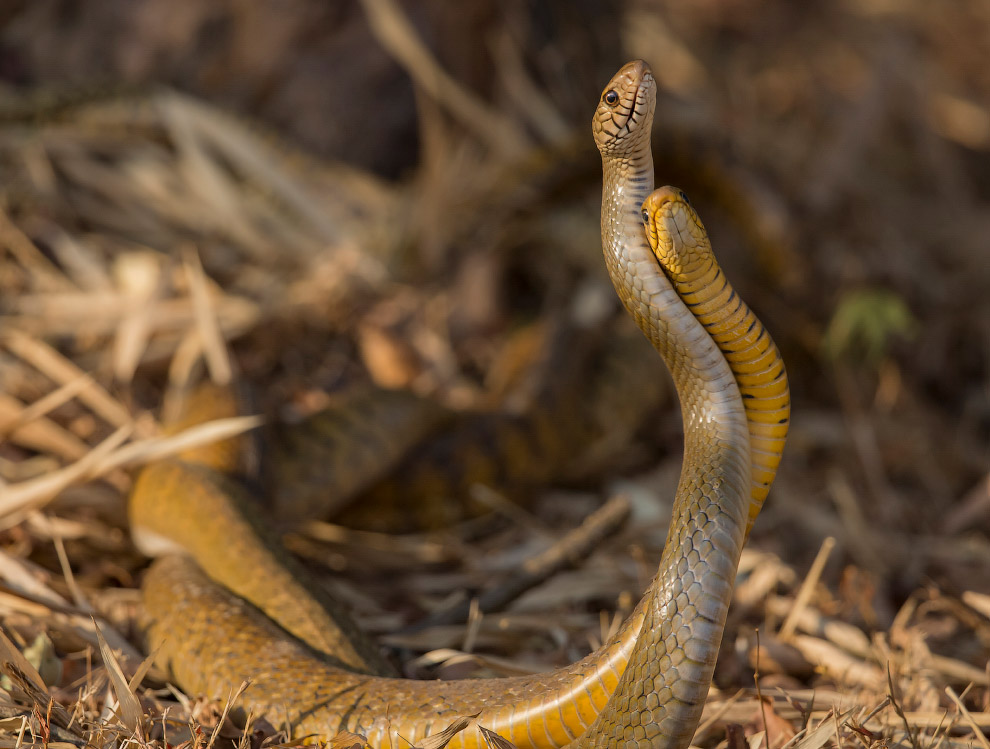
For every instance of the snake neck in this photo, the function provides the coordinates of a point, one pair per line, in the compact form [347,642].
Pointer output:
[626,184]
[686,606]
[704,382]
[681,245]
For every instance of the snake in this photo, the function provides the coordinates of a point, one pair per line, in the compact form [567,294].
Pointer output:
[232,606]
[394,462]
[681,245]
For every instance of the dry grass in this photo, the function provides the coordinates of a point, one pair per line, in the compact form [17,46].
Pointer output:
[841,159]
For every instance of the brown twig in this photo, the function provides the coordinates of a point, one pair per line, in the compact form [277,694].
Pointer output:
[569,550]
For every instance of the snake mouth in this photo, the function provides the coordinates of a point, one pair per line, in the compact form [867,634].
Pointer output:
[638,100]
[631,117]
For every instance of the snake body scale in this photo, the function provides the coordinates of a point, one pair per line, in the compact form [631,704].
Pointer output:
[681,245]
[645,687]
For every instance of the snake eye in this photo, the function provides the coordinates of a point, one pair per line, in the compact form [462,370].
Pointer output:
[646,216]
[683,196]
[611,98]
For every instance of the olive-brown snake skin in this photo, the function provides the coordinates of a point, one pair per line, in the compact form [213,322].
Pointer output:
[645,687]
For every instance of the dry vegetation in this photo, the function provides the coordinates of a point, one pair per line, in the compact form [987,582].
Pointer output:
[440,202]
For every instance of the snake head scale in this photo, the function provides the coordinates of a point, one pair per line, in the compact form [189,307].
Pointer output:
[674,230]
[624,116]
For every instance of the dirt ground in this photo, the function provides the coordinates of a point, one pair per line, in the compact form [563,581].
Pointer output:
[302,196]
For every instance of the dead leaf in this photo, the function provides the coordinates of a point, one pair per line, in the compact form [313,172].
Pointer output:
[494,741]
[823,732]
[130,712]
[440,740]
[777,730]
[347,740]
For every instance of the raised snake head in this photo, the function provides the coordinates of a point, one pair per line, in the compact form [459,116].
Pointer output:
[624,117]
[674,231]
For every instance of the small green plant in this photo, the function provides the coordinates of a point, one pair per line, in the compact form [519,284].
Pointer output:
[865,323]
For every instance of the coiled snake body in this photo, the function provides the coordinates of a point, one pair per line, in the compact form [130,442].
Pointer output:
[645,687]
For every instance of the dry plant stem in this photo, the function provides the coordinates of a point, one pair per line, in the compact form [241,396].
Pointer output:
[862,432]
[37,492]
[787,706]
[812,622]
[50,362]
[231,699]
[181,371]
[807,589]
[818,736]
[78,596]
[138,277]
[45,405]
[977,731]
[399,38]
[573,547]
[45,273]
[217,359]
[899,710]
[502,505]
[39,433]
[759,693]
[533,104]
[837,663]
[972,508]
[960,672]
[112,453]
[23,577]
[978,601]
[869,716]
[242,148]
[44,604]
[130,712]
[717,714]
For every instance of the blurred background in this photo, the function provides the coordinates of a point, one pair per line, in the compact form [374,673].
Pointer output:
[408,194]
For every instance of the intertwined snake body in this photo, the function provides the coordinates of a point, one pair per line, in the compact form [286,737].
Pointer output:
[645,687]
